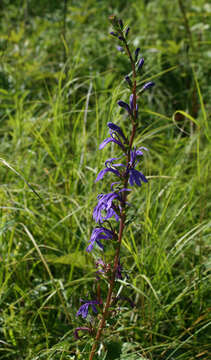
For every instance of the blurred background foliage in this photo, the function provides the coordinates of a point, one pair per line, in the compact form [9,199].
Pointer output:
[60,78]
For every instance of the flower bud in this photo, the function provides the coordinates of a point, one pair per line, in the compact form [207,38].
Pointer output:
[113,34]
[127,31]
[136,53]
[140,64]
[148,85]
[127,78]
[125,106]
[121,24]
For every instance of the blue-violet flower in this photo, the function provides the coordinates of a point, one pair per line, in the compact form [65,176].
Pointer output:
[127,78]
[136,53]
[116,134]
[140,64]
[83,310]
[148,85]
[120,48]
[109,164]
[136,177]
[99,233]
[127,31]
[105,203]
[125,106]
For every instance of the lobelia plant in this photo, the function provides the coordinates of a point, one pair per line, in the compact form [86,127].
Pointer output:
[110,213]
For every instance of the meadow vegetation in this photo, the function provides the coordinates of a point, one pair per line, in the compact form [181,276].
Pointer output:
[60,79]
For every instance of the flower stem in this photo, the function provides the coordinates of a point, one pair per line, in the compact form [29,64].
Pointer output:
[110,291]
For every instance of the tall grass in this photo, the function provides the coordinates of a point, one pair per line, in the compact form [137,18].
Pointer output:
[53,117]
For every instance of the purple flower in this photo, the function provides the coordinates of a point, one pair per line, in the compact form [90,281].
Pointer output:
[120,23]
[127,31]
[105,203]
[110,139]
[121,38]
[120,48]
[113,34]
[104,171]
[135,177]
[148,85]
[97,235]
[82,328]
[114,183]
[116,129]
[127,78]
[136,53]
[102,268]
[100,265]
[116,134]
[131,102]
[109,164]
[83,310]
[125,106]
[134,154]
[140,64]
[131,105]
[119,271]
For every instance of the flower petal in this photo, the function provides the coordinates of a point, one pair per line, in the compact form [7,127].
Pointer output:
[104,171]
[136,177]
[110,139]
[116,128]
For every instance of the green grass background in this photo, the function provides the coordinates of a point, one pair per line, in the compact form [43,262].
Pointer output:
[60,79]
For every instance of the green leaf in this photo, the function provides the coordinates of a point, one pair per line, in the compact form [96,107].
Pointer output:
[77,259]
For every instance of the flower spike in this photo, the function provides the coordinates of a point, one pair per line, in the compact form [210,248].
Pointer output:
[110,212]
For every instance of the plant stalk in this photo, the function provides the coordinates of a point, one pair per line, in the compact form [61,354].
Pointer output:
[122,216]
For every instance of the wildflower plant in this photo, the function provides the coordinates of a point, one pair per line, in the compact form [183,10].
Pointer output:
[110,212]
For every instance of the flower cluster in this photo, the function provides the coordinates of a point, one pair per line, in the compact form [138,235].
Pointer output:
[111,208]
